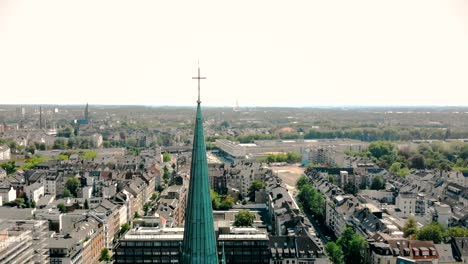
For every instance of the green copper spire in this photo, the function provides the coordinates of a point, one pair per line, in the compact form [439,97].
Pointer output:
[199,245]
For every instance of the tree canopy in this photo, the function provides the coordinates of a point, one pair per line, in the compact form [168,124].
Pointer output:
[434,232]
[378,183]
[353,246]
[167,157]
[311,200]
[411,227]
[334,252]
[244,218]
[105,256]
[255,186]
[72,185]
[221,202]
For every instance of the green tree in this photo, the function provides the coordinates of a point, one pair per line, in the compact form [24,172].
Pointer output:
[60,143]
[165,173]
[10,167]
[20,202]
[457,232]
[378,183]
[395,167]
[67,132]
[88,154]
[417,162]
[256,185]
[72,185]
[221,202]
[311,201]
[105,255]
[302,181]
[411,227]
[215,199]
[66,192]
[350,188]
[62,208]
[159,188]
[167,157]
[354,246]
[293,157]
[244,218]
[434,232]
[227,202]
[381,148]
[146,208]
[86,204]
[154,196]
[63,157]
[124,228]
[334,252]
[403,172]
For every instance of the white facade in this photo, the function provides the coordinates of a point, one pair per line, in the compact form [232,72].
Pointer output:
[8,195]
[5,153]
[443,212]
[406,203]
[344,178]
[34,192]
[87,192]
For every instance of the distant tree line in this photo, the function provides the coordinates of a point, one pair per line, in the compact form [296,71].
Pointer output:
[438,155]
[433,232]
[364,134]
[290,157]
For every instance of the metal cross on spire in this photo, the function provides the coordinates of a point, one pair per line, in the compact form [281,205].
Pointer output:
[198,78]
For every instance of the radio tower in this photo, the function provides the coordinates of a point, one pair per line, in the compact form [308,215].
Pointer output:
[237,108]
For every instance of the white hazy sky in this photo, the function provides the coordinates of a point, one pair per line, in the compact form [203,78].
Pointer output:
[263,53]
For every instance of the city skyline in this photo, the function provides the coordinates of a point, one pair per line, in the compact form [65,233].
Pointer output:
[261,54]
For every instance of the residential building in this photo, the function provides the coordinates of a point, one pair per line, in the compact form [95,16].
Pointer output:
[53,184]
[411,203]
[34,191]
[5,153]
[8,194]
[388,251]
[65,250]
[15,246]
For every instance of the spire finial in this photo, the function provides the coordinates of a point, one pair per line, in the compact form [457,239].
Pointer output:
[198,78]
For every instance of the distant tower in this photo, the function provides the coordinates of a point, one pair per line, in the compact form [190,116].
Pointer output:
[86,113]
[237,108]
[40,117]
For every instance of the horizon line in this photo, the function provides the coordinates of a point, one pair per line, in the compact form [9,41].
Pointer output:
[241,107]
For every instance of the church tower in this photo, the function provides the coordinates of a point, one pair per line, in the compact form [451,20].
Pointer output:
[86,113]
[199,245]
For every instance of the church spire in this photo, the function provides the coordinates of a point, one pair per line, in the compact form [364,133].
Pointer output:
[86,113]
[199,245]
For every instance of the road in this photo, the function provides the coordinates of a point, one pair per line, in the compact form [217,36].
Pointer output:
[290,174]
